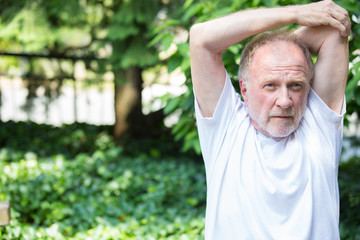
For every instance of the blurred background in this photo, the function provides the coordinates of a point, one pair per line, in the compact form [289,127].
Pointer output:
[97,132]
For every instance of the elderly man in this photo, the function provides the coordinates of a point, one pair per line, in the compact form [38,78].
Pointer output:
[271,160]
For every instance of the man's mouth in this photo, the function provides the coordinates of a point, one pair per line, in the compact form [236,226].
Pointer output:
[282,117]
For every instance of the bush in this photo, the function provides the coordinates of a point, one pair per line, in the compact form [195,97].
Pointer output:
[80,185]
[349,183]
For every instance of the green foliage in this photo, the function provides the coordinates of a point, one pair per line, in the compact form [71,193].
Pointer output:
[129,34]
[353,89]
[95,189]
[349,182]
[69,140]
[32,26]
[116,30]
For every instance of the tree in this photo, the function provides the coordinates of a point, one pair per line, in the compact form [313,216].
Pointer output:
[129,36]
[107,36]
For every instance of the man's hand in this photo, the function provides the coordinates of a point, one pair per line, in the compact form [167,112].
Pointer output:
[324,13]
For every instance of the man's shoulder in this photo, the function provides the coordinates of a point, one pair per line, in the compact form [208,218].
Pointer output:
[318,109]
[230,102]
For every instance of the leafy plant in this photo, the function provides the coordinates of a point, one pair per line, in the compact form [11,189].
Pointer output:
[96,189]
[349,182]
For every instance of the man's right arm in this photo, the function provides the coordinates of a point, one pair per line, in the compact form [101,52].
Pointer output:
[209,39]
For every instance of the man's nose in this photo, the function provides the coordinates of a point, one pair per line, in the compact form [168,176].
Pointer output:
[284,99]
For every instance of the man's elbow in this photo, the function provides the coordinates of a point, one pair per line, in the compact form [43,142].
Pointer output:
[202,40]
[335,36]
[196,36]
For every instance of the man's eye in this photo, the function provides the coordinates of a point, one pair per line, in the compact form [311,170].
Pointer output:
[297,86]
[270,85]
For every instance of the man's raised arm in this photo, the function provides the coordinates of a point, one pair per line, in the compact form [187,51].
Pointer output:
[331,68]
[208,40]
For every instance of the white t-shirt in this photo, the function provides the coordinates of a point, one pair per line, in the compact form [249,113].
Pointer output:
[258,188]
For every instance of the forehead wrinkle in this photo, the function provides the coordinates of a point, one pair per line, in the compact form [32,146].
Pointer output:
[284,67]
[286,74]
[282,72]
[279,76]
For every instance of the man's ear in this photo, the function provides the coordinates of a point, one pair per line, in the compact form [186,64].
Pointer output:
[243,89]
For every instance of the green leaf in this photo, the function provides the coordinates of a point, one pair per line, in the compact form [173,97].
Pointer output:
[188,3]
[156,39]
[121,32]
[192,10]
[197,146]
[174,62]
[166,41]
[172,105]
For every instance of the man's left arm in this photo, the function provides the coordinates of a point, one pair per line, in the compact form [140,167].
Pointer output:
[331,68]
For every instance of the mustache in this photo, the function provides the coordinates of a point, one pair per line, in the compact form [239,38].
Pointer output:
[290,112]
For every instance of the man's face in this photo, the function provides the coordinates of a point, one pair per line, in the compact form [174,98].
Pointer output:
[277,88]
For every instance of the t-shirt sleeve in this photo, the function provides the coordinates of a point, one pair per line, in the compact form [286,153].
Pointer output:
[212,130]
[329,122]
[328,114]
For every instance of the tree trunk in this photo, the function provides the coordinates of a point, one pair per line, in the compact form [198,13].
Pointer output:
[129,117]
[127,99]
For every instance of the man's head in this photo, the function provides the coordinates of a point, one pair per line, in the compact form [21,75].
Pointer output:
[275,73]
